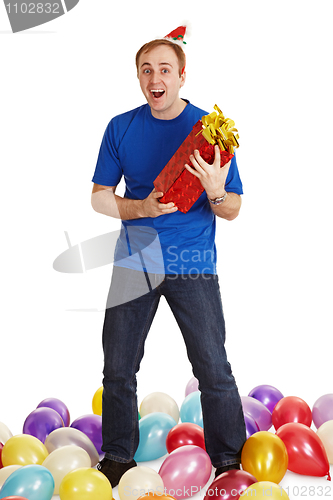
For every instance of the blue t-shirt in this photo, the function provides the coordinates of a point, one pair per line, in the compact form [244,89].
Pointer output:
[137,145]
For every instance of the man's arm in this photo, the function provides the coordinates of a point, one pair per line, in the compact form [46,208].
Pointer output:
[105,201]
[213,178]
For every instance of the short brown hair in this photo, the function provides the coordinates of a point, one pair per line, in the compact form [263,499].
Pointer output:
[163,41]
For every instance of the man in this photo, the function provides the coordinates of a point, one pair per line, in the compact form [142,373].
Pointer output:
[137,145]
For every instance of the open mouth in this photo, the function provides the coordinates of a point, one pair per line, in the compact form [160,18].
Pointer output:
[157,93]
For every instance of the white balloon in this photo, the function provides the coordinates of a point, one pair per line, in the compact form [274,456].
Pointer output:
[5,433]
[5,472]
[138,481]
[63,460]
[325,434]
[68,435]
[159,402]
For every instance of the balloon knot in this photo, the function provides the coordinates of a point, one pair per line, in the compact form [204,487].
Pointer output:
[328,477]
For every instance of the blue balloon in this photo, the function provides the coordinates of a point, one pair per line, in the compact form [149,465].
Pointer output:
[31,481]
[153,431]
[190,410]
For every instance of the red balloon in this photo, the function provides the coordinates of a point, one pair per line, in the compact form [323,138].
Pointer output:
[184,434]
[14,498]
[229,485]
[306,452]
[291,409]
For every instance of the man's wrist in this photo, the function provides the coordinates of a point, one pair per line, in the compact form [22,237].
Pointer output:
[217,200]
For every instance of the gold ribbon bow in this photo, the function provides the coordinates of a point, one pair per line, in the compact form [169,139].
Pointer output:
[220,130]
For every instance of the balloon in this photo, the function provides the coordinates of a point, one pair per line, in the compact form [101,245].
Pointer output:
[23,449]
[258,411]
[153,431]
[1,464]
[97,402]
[250,424]
[156,496]
[190,410]
[15,498]
[185,471]
[183,434]
[267,395]
[32,481]
[63,460]
[85,484]
[41,422]
[58,406]
[139,480]
[322,410]
[192,386]
[265,456]
[325,434]
[229,485]
[91,426]
[5,433]
[291,409]
[306,452]
[6,472]
[159,402]
[265,489]
[68,435]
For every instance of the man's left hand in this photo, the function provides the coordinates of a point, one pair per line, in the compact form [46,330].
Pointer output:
[212,177]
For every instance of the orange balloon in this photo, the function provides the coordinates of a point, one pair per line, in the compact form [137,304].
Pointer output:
[156,496]
[265,456]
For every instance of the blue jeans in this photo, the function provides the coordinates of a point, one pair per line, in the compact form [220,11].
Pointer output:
[196,304]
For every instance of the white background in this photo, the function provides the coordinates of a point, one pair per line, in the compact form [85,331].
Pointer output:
[267,64]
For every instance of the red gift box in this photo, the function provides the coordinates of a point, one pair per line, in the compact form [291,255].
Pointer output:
[178,184]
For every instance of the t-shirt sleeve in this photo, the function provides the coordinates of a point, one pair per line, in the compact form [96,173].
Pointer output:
[233,182]
[108,171]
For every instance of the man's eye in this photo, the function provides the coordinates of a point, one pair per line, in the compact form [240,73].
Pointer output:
[146,71]
[165,70]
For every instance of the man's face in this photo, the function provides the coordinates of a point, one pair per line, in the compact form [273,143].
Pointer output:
[160,82]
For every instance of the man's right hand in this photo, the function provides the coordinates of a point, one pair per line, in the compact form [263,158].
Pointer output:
[151,207]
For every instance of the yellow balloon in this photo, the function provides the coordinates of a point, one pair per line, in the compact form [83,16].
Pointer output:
[23,449]
[265,456]
[85,484]
[97,402]
[264,490]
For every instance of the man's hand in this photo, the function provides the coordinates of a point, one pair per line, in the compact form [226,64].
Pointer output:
[151,207]
[212,177]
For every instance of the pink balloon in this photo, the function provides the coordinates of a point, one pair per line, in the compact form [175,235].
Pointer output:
[258,411]
[229,485]
[192,386]
[185,471]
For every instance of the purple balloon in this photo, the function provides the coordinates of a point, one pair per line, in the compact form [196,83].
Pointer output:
[58,406]
[258,411]
[191,386]
[251,425]
[91,426]
[267,395]
[322,410]
[185,471]
[41,422]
